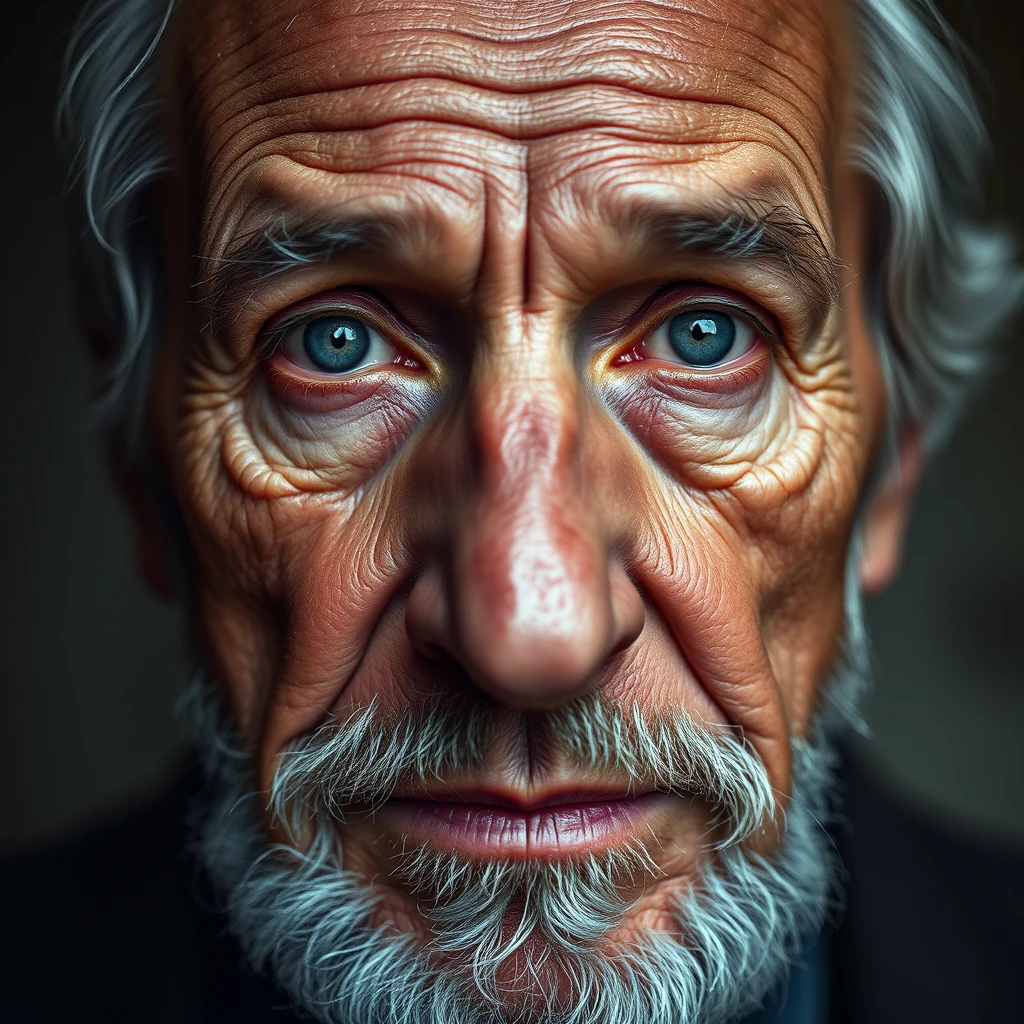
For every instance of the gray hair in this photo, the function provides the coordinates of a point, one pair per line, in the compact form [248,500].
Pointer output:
[941,283]
[313,924]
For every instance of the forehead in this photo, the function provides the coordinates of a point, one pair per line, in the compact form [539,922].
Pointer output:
[285,101]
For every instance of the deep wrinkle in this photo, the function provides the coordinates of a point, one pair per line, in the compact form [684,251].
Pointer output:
[520,569]
[501,528]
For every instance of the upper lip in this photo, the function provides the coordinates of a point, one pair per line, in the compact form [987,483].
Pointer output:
[523,802]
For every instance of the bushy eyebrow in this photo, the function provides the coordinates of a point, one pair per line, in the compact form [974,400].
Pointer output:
[777,235]
[773,235]
[228,281]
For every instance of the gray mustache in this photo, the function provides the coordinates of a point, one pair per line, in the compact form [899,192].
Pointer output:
[363,759]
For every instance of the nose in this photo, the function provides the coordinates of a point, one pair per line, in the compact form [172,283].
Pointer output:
[524,591]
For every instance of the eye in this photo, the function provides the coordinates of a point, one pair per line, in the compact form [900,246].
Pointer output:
[335,344]
[702,338]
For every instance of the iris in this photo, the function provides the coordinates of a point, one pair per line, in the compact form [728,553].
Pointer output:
[336,343]
[702,337]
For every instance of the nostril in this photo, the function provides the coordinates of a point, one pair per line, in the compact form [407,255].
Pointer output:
[437,654]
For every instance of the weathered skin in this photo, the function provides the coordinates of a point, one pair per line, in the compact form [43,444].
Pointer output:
[515,509]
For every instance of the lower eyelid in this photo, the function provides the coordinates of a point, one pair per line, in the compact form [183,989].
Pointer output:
[748,371]
[674,368]
[323,394]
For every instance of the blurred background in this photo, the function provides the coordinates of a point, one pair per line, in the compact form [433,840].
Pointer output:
[91,664]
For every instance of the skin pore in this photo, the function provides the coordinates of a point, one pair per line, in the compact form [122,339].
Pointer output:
[522,492]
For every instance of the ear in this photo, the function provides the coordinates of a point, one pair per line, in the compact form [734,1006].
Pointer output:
[152,550]
[887,515]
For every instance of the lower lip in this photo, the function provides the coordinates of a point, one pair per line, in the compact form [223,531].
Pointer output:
[479,830]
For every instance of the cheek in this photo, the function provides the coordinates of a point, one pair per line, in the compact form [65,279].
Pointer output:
[282,497]
[802,633]
[288,437]
[292,592]
[760,486]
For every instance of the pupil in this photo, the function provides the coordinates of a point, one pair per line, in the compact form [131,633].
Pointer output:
[701,329]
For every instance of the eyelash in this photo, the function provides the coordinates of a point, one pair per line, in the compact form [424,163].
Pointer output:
[654,313]
[661,308]
[271,339]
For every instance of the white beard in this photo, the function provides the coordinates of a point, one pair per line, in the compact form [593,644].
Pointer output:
[308,922]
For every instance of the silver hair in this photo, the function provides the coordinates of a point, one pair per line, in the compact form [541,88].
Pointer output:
[316,927]
[364,758]
[940,285]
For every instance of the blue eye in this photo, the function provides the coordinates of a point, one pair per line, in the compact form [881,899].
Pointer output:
[335,344]
[702,337]
[330,342]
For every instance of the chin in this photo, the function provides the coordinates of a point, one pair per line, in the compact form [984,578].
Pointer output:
[411,928]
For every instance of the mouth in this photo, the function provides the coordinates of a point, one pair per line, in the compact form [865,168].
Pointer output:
[485,826]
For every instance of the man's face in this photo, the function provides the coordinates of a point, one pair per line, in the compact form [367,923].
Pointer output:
[515,381]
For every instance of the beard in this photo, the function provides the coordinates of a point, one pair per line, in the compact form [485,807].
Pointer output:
[516,940]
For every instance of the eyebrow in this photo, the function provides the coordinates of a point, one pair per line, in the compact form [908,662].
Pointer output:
[282,245]
[777,236]
[773,235]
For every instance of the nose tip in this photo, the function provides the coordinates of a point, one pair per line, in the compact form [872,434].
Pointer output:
[532,618]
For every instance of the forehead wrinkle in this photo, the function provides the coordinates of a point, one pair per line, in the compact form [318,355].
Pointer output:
[522,106]
[515,119]
[482,161]
[411,58]
[435,165]
[609,33]
[687,125]
[334,151]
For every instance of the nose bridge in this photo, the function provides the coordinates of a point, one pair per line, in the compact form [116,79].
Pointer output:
[524,429]
[527,604]
[529,543]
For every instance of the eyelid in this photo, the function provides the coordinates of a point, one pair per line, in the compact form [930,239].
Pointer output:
[676,299]
[371,309]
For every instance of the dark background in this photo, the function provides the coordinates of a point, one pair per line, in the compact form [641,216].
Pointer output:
[90,662]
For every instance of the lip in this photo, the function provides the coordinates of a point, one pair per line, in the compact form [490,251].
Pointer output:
[547,830]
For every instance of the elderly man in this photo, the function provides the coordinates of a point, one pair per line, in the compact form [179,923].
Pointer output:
[521,396]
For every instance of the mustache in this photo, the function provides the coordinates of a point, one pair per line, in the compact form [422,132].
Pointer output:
[362,759]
